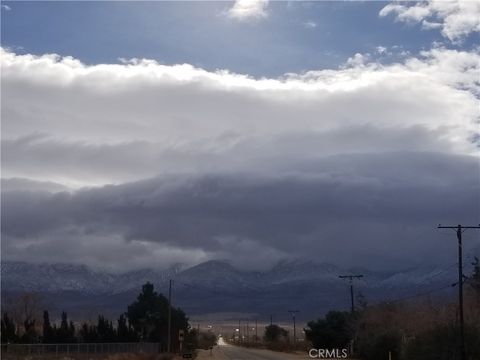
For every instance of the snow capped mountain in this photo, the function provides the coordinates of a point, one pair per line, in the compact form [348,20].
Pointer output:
[419,277]
[217,286]
[218,274]
[299,270]
[20,276]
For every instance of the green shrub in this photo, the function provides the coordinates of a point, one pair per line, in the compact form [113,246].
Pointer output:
[335,331]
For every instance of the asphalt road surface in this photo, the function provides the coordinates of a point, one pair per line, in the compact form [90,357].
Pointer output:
[230,352]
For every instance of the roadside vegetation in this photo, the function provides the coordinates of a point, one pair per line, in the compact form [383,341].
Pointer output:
[275,338]
[145,320]
[407,330]
[401,330]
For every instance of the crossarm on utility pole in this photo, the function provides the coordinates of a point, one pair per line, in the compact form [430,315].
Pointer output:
[351,277]
[293,312]
[459,230]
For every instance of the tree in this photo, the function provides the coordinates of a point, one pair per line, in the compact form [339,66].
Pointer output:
[48,330]
[8,328]
[105,330]
[30,333]
[28,310]
[88,333]
[380,330]
[63,329]
[205,340]
[147,312]
[333,332]
[125,332]
[274,333]
[71,331]
[148,316]
[24,310]
[474,279]
[66,331]
[361,301]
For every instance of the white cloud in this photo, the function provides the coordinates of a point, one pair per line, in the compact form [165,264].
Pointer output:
[310,25]
[381,50]
[456,18]
[358,60]
[244,10]
[76,125]
[6,7]
[427,25]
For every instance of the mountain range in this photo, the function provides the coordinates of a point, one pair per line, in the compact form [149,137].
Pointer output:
[218,287]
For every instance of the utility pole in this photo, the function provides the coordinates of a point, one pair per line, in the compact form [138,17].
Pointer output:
[459,230]
[271,320]
[169,337]
[293,312]
[351,277]
[239,332]
[256,333]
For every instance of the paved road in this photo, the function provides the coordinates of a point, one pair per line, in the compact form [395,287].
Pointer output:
[229,352]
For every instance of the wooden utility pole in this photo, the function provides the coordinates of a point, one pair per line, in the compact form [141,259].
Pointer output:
[169,336]
[239,331]
[293,312]
[351,277]
[460,229]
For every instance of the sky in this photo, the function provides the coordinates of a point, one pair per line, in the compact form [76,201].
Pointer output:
[148,134]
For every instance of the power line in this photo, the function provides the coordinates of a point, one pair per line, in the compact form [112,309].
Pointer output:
[424,293]
[430,277]
[421,294]
[351,277]
[459,230]
[438,273]
[245,296]
[417,295]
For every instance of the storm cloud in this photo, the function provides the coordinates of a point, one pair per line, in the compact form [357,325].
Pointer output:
[140,164]
[375,206]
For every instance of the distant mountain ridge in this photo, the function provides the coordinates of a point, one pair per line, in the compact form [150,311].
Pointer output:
[217,286]
[22,276]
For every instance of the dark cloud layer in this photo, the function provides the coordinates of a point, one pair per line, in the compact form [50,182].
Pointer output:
[364,209]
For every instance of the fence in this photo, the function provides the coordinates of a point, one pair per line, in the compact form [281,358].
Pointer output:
[75,351]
